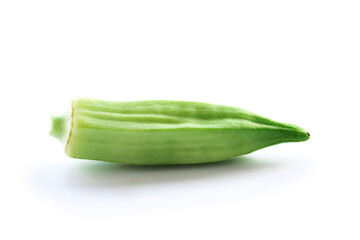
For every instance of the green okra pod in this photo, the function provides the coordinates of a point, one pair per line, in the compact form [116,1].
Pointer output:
[157,132]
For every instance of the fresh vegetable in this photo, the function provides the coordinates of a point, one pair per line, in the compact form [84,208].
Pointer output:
[165,132]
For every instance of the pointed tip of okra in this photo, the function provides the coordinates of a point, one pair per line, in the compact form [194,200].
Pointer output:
[294,133]
[302,135]
[307,136]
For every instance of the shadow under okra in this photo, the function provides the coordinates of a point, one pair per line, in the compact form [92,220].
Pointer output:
[95,174]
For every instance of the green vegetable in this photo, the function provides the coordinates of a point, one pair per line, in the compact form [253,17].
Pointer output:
[165,132]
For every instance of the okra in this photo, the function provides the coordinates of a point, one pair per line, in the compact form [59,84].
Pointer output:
[157,132]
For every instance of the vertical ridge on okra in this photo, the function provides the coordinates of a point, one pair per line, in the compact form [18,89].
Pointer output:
[166,132]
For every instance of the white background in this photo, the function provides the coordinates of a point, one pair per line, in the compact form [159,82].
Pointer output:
[292,61]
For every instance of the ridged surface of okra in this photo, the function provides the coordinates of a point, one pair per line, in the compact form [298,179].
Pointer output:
[157,132]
